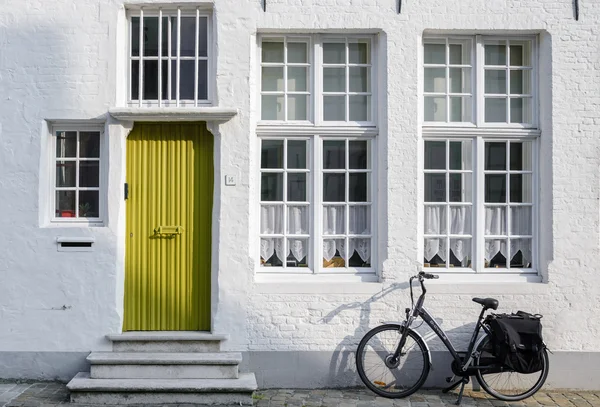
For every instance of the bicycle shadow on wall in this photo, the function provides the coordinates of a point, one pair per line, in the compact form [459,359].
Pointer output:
[342,366]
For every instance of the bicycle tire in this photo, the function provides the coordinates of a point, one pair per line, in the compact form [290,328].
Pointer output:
[508,397]
[377,389]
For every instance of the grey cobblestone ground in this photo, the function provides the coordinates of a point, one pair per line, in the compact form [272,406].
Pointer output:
[55,394]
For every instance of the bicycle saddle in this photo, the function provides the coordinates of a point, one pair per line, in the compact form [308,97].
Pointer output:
[487,302]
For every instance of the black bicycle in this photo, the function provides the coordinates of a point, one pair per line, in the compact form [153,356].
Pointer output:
[393,360]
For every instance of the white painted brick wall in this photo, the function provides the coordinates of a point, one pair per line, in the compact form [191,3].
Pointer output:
[59,60]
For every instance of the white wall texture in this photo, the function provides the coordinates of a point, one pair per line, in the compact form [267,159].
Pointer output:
[61,60]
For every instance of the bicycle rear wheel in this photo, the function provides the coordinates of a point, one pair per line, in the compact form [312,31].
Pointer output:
[380,374]
[508,385]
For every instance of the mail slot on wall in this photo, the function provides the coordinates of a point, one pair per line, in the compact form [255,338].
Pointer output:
[75,244]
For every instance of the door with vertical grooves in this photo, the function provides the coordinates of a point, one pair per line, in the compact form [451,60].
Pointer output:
[168,240]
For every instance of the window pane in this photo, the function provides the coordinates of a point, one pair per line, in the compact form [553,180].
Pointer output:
[297,79]
[202,80]
[435,155]
[296,154]
[495,110]
[435,252]
[495,220]
[519,82]
[271,219]
[150,36]
[65,173]
[297,52]
[460,252]
[521,220]
[297,220]
[435,220]
[135,36]
[360,253]
[360,108]
[521,188]
[495,188]
[460,108]
[165,37]
[520,110]
[334,154]
[187,71]
[296,187]
[359,79]
[271,187]
[495,54]
[150,80]
[360,220]
[334,220]
[298,253]
[495,81]
[460,220]
[66,143]
[435,80]
[297,107]
[89,174]
[165,80]
[272,79]
[89,204]
[495,253]
[271,154]
[202,37]
[495,156]
[520,156]
[460,80]
[359,52]
[134,80]
[173,36]
[359,188]
[334,79]
[65,204]
[359,154]
[334,188]
[334,53]
[188,37]
[520,250]
[173,79]
[460,54]
[520,53]
[435,53]
[461,187]
[435,109]
[435,187]
[334,253]
[272,107]
[334,108]
[271,252]
[460,155]
[272,51]
[89,144]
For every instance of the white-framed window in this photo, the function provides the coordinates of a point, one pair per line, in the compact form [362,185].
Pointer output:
[169,57]
[483,81]
[317,138]
[480,141]
[77,182]
[319,79]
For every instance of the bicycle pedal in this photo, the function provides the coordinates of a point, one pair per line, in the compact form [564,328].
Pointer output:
[449,379]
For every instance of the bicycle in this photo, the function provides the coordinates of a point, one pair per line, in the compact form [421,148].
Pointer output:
[405,359]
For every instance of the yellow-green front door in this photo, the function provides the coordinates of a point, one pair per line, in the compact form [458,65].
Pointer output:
[168,240]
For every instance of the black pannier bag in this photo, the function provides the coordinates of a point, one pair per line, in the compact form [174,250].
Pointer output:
[517,341]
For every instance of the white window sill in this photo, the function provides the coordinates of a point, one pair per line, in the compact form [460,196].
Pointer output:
[169,114]
[76,223]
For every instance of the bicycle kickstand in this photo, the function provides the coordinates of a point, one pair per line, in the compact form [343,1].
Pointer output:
[464,381]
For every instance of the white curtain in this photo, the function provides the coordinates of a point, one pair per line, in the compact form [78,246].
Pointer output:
[435,224]
[271,222]
[495,224]
[334,224]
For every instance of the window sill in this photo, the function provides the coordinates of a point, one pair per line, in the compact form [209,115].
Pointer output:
[169,114]
[305,283]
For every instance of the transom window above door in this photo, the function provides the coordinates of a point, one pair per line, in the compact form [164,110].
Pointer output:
[326,80]
[169,57]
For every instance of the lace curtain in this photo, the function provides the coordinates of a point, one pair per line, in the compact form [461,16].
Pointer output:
[495,224]
[334,224]
[271,222]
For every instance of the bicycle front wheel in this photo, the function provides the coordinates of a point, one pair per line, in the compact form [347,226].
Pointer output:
[508,385]
[384,376]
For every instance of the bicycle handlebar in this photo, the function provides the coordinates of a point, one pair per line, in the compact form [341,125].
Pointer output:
[428,275]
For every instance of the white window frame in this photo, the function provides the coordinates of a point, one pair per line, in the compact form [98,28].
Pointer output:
[315,104]
[477,80]
[174,101]
[479,132]
[102,164]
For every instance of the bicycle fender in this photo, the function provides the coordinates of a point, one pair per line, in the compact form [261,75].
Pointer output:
[402,324]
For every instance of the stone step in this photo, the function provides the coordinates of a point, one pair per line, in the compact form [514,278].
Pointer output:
[86,390]
[146,365]
[167,341]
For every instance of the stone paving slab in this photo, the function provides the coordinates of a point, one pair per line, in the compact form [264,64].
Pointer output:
[56,394]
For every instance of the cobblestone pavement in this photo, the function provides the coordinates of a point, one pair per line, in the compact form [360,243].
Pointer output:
[55,394]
